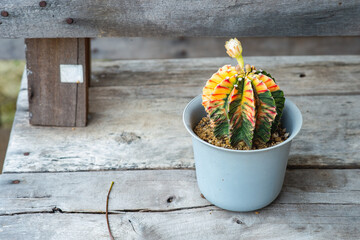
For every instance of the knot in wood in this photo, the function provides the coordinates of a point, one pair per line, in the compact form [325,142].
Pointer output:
[15,182]
[56,209]
[42,4]
[26,153]
[237,221]
[170,199]
[127,137]
[4,13]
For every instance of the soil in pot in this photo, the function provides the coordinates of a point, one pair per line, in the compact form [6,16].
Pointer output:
[204,131]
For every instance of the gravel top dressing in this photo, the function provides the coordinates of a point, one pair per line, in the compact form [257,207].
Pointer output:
[205,132]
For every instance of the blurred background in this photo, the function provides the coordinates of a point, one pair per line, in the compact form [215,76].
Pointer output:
[12,58]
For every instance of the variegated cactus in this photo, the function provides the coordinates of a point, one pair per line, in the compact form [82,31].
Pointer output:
[242,104]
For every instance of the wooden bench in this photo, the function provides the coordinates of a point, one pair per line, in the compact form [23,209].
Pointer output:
[56,179]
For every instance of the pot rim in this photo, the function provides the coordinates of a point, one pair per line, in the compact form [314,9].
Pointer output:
[288,103]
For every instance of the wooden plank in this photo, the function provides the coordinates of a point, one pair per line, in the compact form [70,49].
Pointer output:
[150,190]
[281,223]
[157,105]
[113,140]
[52,102]
[114,18]
[190,47]
[300,75]
[200,47]
[314,204]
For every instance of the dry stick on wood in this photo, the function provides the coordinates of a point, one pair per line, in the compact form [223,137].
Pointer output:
[107,212]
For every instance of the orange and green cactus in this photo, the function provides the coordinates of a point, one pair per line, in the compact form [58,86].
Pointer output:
[216,78]
[276,93]
[218,106]
[243,104]
[266,109]
[242,113]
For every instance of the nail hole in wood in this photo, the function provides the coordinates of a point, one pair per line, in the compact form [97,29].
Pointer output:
[4,13]
[170,199]
[42,4]
[302,75]
[69,21]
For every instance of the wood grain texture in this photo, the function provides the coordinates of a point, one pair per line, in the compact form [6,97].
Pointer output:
[112,18]
[150,190]
[113,140]
[297,76]
[283,222]
[82,104]
[199,47]
[314,204]
[51,102]
[131,123]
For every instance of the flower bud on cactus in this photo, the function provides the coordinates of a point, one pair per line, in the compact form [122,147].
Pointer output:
[234,50]
[242,104]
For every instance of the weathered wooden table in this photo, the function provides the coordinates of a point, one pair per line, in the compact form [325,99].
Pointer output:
[56,180]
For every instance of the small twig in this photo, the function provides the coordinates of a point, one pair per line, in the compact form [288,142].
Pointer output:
[107,211]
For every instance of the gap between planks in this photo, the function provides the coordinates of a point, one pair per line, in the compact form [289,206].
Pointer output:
[135,191]
[122,211]
[208,207]
[290,222]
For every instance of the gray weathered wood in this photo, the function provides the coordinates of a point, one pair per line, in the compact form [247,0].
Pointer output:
[52,102]
[113,140]
[283,222]
[314,204]
[300,75]
[179,18]
[190,47]
[130,124]
[149,190]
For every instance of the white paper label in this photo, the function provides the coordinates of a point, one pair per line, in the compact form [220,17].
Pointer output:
[71,73]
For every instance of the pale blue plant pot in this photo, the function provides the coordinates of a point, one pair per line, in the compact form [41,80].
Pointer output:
[240,180]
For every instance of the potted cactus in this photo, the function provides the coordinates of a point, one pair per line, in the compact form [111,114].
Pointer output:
[241,128]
